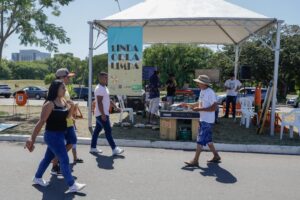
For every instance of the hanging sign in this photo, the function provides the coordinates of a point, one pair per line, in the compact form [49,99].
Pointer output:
[125,52]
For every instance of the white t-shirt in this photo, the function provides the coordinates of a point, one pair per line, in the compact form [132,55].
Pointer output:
[104,92]
[233,85]
[206,99]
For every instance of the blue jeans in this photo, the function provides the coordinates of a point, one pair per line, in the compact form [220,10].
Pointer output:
[56,147]
[100,124]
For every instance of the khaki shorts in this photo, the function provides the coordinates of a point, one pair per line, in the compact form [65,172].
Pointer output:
[154,105]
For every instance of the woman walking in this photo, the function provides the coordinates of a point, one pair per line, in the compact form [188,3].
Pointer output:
[54,113]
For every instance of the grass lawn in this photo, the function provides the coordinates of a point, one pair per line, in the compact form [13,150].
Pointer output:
[3,113]
[227,131]
[26,126]
[230,132]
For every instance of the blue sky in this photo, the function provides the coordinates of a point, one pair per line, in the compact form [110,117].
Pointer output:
[74,19]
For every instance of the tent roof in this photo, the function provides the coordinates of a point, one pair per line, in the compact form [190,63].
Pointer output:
[190,21]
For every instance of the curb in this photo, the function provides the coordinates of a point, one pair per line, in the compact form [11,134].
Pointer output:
[268,149]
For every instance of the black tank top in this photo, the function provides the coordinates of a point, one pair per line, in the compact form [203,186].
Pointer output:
[57,120]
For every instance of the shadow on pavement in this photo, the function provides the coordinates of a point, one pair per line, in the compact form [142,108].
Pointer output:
[106,162]
[214,170]
[57,190]
[221,174]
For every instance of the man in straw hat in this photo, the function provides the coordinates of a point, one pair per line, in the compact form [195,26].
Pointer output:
[206,106]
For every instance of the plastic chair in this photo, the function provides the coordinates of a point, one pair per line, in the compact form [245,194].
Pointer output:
[247,111]
[123,109]
[291,119]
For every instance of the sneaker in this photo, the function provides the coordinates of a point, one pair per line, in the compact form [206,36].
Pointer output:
[117,151]
[40,181]
[56,170]
[95,150]
[76,187]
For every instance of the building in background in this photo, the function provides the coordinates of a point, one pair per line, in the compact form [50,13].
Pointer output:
[29,55]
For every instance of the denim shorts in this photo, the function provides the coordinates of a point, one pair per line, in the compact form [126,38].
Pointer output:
[70,135]
[204,133]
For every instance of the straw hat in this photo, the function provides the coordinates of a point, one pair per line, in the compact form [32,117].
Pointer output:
[203,79]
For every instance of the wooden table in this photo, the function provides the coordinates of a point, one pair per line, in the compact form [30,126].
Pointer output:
[168,123]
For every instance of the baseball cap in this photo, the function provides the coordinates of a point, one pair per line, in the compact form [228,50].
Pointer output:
[64,72]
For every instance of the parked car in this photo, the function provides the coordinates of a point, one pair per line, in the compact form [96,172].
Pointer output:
[294,101]
[248,92]
[82,93]
[35,92]
[5,91]
[221,99]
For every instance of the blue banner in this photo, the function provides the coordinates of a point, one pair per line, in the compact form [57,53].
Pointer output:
[125,52]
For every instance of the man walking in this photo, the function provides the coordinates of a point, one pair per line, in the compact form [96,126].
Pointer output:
[103,103]
[206,106]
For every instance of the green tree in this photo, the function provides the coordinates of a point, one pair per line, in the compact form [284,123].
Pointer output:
[5,71]
[27,18]
[182,60]
[261,59]
[289,70]
[66,60]
[100,64]
[224,62]
[28,70]
[49,78]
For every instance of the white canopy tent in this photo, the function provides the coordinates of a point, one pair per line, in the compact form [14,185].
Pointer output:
[191,21]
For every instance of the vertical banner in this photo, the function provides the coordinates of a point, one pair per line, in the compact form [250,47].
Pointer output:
[125,52]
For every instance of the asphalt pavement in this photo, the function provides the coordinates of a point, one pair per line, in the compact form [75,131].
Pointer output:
[153,174]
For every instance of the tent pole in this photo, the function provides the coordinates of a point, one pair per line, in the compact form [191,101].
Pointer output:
[91,39]
[275,82]
[236,61]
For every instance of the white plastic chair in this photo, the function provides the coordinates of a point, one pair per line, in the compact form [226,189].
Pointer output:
[291,119]
[123,109]
[247,111]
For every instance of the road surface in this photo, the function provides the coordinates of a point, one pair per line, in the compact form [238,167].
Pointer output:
[153,174]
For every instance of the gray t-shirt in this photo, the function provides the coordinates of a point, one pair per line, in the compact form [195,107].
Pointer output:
[233,85]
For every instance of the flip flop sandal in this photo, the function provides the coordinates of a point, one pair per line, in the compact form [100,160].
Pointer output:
[214,160]
[189,164]
[78,160]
